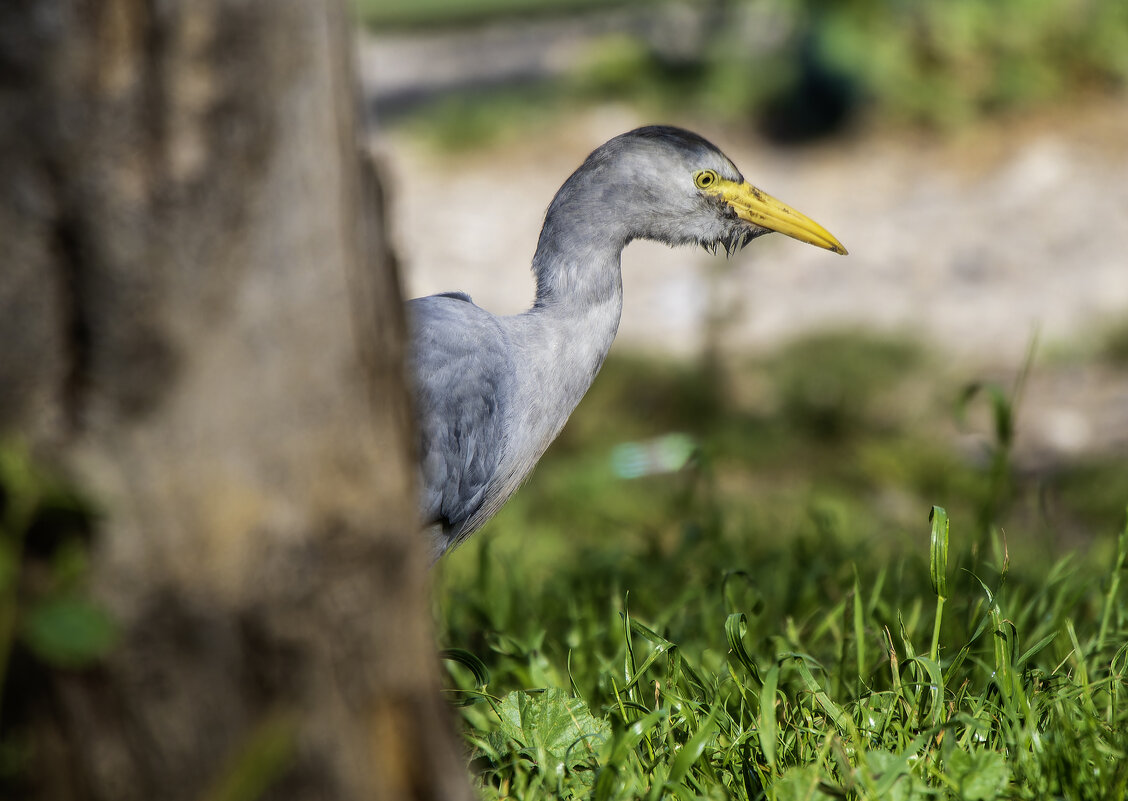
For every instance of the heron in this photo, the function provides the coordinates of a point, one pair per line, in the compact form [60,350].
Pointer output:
[492,392]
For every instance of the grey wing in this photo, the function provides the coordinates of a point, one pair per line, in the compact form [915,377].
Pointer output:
[462,372]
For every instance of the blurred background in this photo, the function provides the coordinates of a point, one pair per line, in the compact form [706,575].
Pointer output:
[971,351]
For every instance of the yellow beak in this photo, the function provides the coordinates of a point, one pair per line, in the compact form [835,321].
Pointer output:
[760,208]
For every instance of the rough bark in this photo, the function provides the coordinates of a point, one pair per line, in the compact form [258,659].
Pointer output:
[201,322]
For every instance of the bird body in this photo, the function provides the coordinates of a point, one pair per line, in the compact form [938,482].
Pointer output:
[493,392]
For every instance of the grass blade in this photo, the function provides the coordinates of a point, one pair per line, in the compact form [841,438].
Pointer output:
[1114,584]
[661,646]
[1082,670]
[734,629]
[693,748]
[936,689]
[938,572]
[938,551]
[859,631]
[834,711]
[767,728]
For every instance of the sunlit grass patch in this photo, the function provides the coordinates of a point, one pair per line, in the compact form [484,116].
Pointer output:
[802,673]
[779,619]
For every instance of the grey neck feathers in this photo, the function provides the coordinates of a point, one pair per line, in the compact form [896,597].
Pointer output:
[577,260]
[570,328]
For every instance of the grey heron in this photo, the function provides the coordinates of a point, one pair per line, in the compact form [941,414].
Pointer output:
[492,392]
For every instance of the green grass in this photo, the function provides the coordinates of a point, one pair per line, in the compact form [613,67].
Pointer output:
[780,619]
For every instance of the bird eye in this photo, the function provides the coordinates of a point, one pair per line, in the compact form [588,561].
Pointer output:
[704,178]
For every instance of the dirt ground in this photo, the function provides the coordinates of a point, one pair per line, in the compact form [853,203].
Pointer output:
[975,242]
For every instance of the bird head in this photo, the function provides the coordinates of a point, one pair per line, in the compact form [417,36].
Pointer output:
[675,187]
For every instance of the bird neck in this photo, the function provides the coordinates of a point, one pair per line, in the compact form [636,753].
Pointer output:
[579,282]
[577,260]
[566,335]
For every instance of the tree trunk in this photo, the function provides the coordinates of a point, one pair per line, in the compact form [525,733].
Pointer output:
[201,322]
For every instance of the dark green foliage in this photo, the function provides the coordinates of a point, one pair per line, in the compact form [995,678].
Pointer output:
[948,63]
[67,631]
[829,383]
[805,68]
[47,619]
[1114,348]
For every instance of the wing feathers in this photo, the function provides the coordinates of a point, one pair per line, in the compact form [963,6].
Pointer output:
[462,371]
